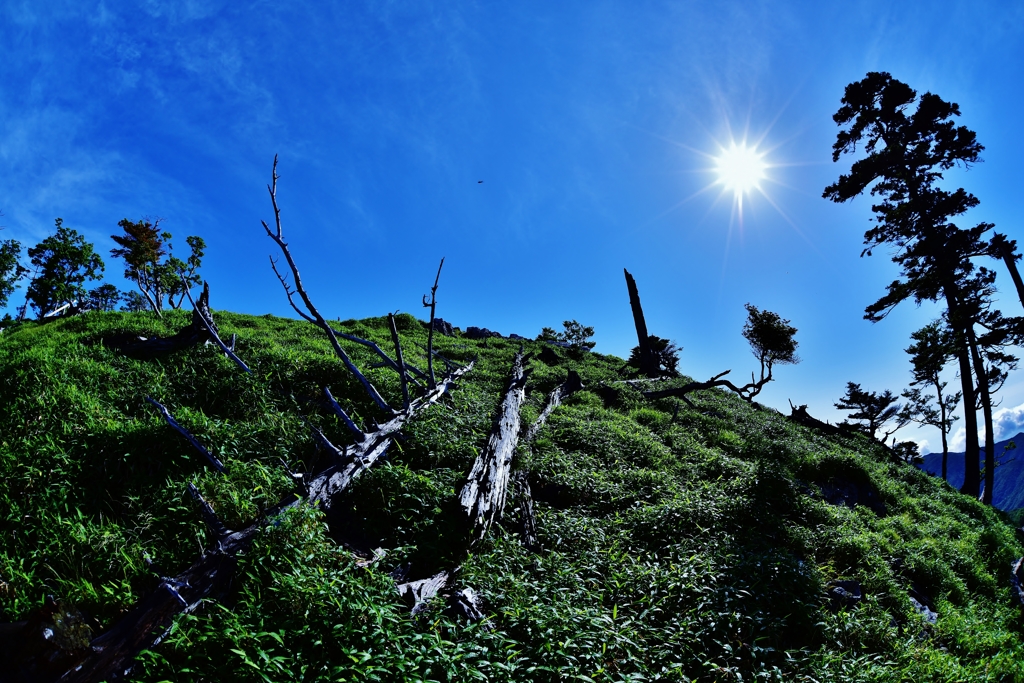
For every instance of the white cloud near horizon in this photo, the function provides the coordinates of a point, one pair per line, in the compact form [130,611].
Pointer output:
[1006,422]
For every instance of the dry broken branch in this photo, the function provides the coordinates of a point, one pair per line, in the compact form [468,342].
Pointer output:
[330,482]
[432,304]
[188,435]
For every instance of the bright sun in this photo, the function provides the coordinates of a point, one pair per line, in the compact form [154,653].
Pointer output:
[740,168]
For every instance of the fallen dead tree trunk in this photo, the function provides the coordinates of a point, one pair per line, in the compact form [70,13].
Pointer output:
[525,523]
[572,384]
[56,644]
[350,461]
[483,496]
[800,416]
[112,654]
[202,329]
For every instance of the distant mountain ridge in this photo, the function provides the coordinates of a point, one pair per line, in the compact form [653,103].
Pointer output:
[1008,492]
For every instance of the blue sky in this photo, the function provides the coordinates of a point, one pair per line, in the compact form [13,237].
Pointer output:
[591,124]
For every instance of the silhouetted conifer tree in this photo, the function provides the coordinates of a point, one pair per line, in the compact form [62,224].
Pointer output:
[907,152]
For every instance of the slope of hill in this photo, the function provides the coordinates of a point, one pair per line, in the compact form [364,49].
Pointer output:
[1008,492]
[721,543]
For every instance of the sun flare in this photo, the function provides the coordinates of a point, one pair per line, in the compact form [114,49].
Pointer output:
[740,168]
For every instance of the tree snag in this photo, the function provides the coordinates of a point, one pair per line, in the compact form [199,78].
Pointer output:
[648,364]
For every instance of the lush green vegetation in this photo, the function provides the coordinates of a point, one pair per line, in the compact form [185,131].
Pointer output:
[690,547]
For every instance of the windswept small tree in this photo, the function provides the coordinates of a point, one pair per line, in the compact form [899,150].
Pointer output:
[63,262]
[933,349]
[574,334]
[771,340]
[144,248]
[875,411]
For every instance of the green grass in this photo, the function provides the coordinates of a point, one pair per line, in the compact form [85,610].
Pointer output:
[697,548]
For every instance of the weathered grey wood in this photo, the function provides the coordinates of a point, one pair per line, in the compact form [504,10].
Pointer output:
[350,463]
[400,361]
[570,386]
[340,412]
[1017,580]
[418,593]
[311,314]
[209,514]
[188,435]
[483,496]
[206,320]
[526,522]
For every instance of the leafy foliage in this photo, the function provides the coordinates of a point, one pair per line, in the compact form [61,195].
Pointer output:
[574,334]
[874,410]
[665,352]
[143,248]
[11,269]
[63,262]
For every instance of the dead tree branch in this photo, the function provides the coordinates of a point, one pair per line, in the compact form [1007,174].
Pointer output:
[312,314]
[570,386]
[113,652]
[217,464]
[351,462]
[401,363]
[648,364]
[207,321]
[197,332]
[746,392]
[430,330]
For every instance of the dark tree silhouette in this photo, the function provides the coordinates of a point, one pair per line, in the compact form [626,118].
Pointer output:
[11,269]
[771,340]
[574,334]
[102,298]
[931,351]
[665,355]
[63,262]
[907,152]
[874,410]
[991,361]
[647,362]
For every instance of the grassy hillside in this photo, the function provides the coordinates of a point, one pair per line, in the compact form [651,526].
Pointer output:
[694,547]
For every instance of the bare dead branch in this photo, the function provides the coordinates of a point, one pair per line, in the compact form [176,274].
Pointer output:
[401,363]
[313,315]
[430,330]
[188,436]
[570,386]
[747,392]
[206,319]
[288,291]
[336,478]
[340,412]
[208,513]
